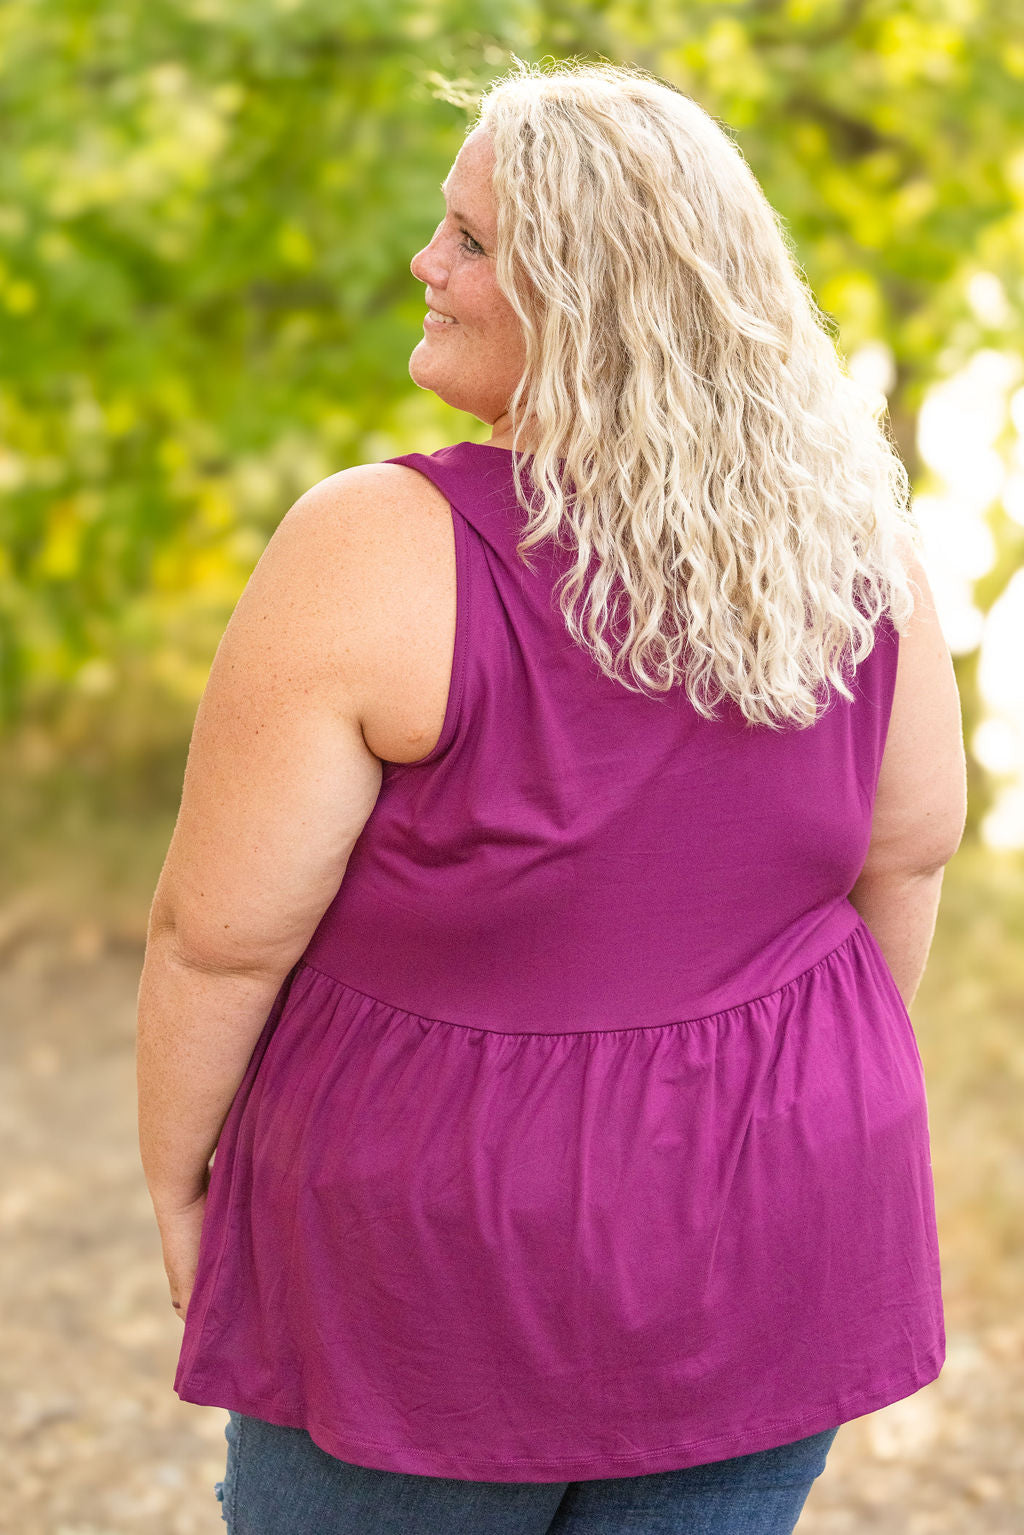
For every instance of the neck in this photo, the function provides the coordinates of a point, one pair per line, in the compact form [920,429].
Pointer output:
[501,434]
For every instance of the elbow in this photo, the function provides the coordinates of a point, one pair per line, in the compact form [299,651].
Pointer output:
[185,947]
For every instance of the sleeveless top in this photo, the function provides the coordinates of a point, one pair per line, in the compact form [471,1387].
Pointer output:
[588,1137]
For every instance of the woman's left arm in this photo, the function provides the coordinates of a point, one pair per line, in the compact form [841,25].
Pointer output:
[278,785]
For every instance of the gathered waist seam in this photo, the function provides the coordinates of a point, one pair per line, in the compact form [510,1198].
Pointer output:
[641,1028]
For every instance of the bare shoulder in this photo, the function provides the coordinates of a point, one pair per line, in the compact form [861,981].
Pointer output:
[377,543]
[365,495]
[358,538]
[368,528]
[925,696]
[920,805]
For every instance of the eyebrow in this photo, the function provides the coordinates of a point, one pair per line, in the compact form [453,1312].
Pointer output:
[462,217]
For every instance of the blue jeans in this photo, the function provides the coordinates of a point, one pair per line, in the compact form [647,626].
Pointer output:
[279,1482]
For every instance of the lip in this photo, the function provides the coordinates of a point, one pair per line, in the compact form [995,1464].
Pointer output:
[431,320]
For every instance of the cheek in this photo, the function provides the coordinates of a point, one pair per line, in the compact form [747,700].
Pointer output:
[481,301]
[502,320]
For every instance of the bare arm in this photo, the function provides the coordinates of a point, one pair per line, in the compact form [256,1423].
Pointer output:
[901,911]
[921,803]
[279,783]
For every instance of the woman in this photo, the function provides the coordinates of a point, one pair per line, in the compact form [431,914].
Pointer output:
[543,986]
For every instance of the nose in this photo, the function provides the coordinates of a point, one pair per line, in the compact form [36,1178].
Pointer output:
[426,266]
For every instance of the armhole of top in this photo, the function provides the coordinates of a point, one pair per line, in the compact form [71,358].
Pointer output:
[462,607]
[886,634]
[893,638]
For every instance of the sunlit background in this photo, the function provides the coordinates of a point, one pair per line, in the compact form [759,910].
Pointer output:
[970,435]
[207,212]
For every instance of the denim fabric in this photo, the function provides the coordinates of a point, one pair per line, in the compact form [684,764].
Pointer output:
[279,1482]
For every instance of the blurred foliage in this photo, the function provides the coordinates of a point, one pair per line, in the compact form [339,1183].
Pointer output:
[207,211]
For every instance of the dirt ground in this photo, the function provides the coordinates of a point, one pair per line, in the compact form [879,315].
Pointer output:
[96,1442]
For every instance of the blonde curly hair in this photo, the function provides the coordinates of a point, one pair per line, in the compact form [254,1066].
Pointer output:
[682,380]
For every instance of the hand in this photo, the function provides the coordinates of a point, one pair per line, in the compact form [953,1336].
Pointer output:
[180,1231]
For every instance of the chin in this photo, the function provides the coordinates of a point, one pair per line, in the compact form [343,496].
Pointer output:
[419,368]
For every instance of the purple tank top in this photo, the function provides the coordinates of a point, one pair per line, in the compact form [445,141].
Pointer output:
[588,1138]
